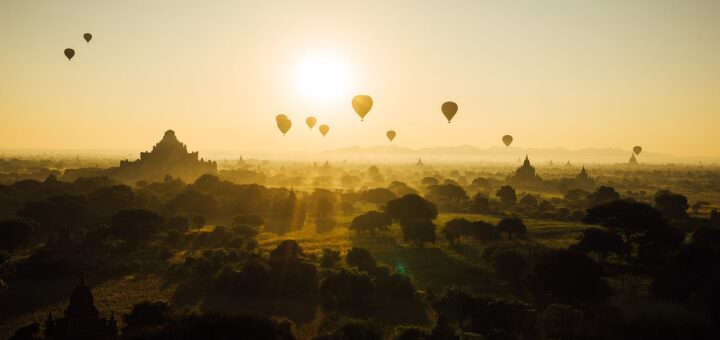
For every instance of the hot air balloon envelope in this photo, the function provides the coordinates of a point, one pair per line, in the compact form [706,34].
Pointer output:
[69,53]
[637,150]
[391,135]
[507,140]
[324,129]
[362,105]
[87,37]
[283,123]
[449,109]
[310,121]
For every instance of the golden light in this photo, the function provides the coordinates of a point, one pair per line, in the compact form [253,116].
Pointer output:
[322,77]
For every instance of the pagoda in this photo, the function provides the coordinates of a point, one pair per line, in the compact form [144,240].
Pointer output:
[167,157]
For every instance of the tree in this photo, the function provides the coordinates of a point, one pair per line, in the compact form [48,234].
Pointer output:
[144,315]
[108,200]
[411,207]
[378,196]
[512,226]
[484,231]
[480,203]
[347,289]
[576,197]
[457,228]
[602,195]
[529,201]
[428,181]
[135,225]
[361,259]
[659,242]
[418,232]
[671,205]
[193,202]
[601,242]
[481,182]
[567,277]
[626,217]
[14,234]
[507,195]
[448,195]
[330,258]
[401,188]
[371,222]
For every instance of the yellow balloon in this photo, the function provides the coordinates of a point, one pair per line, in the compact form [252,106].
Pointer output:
[391,135]
[310,121]
[449,109]
[362,105]
[324,129]
[283,123]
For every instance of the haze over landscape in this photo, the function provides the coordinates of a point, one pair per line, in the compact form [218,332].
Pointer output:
[367,170]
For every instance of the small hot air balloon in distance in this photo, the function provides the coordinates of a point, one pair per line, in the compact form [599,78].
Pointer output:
[391,135]
[362,105]
[449,109]
[507,140]
[87,37]
[310,121]
[283,123]
[324,129]
[69,53]
[637,150]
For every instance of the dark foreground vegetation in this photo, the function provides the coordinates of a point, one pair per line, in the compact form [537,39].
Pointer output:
[363,253]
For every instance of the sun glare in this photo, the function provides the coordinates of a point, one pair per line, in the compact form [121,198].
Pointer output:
[321,77]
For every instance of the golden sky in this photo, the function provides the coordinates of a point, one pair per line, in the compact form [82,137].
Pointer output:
[572,74]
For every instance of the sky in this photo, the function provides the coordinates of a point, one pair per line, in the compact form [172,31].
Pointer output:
[556,73]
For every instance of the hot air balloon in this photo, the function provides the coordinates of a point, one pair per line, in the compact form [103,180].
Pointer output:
[507,139]
[362,105]
[324,129]
[637,150]
[87,37]
[391,135]
[283,123]
[449,109]
[69,53]
[310,121]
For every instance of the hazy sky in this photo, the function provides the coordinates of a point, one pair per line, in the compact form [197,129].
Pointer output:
[573,74]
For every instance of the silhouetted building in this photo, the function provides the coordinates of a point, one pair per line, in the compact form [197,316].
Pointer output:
[419,162]
[581,181]
[525,174]
[81,320]
[633,160]
[583,176]
[168,157]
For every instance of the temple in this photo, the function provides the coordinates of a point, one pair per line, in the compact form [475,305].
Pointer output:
[525,174]
[82,319]
[168,157]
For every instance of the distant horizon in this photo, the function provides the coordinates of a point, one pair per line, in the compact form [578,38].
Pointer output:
[405,154]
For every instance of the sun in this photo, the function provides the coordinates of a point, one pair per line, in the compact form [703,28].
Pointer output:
[322,77]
